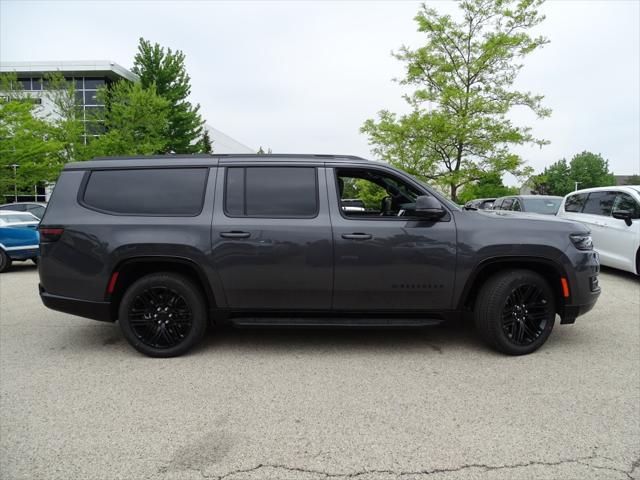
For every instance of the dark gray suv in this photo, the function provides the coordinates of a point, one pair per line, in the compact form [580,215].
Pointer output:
[170,245]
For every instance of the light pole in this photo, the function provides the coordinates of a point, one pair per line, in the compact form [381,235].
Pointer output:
[576,186]
[15,180]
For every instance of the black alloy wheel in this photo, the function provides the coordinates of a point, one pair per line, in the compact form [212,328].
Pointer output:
[163,314]
[515,311]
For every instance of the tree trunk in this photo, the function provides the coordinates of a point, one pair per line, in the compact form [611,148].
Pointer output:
[454,193]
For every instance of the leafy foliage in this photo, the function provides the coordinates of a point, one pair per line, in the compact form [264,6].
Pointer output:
[369,192]
[490,186]
[166,70]
[586,168]
[458,130]
[135,119]
[207,146]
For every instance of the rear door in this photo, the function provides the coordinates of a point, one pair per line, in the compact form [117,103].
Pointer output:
[619,239]
[596,214]
[271,236]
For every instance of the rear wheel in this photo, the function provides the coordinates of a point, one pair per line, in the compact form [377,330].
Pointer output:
[5,261]
[515,312]
[163,315]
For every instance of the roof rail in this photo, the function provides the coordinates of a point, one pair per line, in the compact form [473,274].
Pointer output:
[232,155]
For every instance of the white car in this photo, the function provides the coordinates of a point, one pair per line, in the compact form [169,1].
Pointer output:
[613,216]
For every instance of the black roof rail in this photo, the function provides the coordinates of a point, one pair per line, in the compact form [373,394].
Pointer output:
[232,155]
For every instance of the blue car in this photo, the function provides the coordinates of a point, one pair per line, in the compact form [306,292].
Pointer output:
[19,238]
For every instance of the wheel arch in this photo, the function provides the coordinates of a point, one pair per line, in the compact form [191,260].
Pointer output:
[550,270]
[131,269]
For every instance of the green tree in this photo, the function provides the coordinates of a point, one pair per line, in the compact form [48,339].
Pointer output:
[490,186]
[586,168]
[135,119]
[458,130]
[207,146]
[166,70]
[28,142]
[66,118]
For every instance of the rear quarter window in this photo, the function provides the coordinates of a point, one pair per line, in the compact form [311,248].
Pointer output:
[146,191]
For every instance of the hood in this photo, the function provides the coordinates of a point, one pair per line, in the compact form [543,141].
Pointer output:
[543,221]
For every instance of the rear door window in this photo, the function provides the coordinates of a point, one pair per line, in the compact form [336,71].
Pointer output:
[574,203]
[271,192]
[506,204]
[147,191]
[599,203]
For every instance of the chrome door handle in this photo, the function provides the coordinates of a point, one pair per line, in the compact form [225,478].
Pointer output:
[235,234]
[357,236]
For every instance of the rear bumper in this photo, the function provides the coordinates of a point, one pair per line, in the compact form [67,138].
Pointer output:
[23,253]
[94,310]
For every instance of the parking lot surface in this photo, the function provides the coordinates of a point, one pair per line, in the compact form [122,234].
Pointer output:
[77,402]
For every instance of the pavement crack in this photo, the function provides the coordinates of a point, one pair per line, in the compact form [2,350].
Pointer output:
[425,472]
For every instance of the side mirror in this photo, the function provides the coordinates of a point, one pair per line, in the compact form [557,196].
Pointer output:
[623,215]
[429,207]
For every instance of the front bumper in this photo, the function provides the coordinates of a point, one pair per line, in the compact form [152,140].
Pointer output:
[83,308]
[584,288]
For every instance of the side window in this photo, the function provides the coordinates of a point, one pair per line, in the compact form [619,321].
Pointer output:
[516,206]
[599,203]
[624,201]
[371,193]
[574,203]
[276,192]
[506,204]
[147,191]
[497,205]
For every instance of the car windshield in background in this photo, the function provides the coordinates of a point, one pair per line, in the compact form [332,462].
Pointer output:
[17,218]
[547,206]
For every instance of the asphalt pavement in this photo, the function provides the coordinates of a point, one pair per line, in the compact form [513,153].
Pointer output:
[76,402]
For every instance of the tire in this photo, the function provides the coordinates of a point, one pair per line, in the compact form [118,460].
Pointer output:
[5,261]
[163,315]
[35,260]
[515,312]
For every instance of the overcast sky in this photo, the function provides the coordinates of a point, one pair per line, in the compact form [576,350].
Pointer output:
[303,76]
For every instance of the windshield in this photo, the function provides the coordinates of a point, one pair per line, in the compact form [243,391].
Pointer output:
[547,206]
[17,218]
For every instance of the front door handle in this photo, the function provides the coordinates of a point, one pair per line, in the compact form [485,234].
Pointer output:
[235,234]
[356,236]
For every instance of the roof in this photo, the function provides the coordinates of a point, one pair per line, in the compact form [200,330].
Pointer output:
[203,160]
[223,143]
[615,188]
[105,68]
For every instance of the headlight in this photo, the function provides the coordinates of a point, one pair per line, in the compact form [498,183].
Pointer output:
[582,241]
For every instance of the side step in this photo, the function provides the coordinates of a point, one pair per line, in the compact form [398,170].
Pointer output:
[333,322]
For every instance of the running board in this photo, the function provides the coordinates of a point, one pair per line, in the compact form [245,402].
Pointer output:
[332,322]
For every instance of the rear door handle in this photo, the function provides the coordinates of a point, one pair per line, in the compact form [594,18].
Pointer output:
[356,236]
[235,234]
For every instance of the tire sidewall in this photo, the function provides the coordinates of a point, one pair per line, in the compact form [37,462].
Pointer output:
[5,261]
[191,294]
[496,304]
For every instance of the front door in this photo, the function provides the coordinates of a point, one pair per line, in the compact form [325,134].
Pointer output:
[385,257]
[271,237]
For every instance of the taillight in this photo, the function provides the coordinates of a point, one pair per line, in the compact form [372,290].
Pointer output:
[48,234]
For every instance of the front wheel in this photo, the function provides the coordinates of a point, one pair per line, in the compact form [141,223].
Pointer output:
[5,261]
[515,312]
[163,315]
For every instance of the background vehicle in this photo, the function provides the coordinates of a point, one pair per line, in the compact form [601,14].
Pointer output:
[18,238]
[480,204]
[36,208]
[544,204]
[263,240]
[613,216]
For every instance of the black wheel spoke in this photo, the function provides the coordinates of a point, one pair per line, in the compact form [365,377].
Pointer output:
[525,314]
[160,317]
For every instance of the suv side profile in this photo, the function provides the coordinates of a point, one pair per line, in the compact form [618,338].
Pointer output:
[173,244]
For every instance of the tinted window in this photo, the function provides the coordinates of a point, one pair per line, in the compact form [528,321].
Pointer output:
[497,205]
[574,203]
[624,201]
[599,203]
[14,207]
[166,191]
[271,192]
[546,206]
[516,206]
[234,201]
[506,204]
